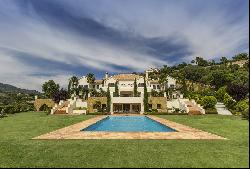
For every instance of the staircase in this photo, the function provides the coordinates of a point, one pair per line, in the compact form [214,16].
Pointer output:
[194,108]
[221,109]
[62,110]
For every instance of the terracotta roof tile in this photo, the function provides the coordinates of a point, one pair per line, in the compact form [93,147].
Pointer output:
[122,77]
[98,81]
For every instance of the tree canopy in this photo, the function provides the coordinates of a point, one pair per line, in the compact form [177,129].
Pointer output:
[50,88]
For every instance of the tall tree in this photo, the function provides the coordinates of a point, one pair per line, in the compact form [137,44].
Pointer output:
[91,79]
[145,99]
[241,56]
[50,88]
[184,87]
[223,60]
[116,93]
[108,100]
[201,62]
[73,85]
[213,62]
[135,89]
[83,92]
[60,95]
[238,91]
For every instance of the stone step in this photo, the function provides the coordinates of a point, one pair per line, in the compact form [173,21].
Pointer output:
[60,112]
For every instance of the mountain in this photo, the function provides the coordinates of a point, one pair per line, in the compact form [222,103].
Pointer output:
[9,88]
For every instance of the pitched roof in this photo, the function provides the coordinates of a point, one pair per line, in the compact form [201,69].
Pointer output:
[124,77]
[154,82]
[98,81]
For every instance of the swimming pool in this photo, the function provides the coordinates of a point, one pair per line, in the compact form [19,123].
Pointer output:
[128,124]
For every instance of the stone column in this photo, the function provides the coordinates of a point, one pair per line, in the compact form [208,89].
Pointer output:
[142,108]
[111,108]
[111,103]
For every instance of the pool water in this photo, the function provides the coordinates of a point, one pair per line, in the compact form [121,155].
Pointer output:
[128,124]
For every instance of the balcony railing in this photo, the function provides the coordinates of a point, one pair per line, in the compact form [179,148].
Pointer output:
[129,95]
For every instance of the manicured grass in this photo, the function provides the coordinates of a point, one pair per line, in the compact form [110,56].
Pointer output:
[18,150]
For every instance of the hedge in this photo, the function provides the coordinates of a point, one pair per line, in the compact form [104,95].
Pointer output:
[164,113]
[98,113]
[211,111]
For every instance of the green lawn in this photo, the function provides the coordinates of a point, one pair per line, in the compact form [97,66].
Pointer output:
[18,150]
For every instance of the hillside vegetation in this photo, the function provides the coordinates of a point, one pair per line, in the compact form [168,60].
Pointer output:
[14,99]
[227,81]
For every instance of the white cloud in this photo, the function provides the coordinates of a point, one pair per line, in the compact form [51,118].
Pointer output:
[35,37]
[208,33]
[208,28]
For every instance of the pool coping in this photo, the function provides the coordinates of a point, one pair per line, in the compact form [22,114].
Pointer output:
[183,132]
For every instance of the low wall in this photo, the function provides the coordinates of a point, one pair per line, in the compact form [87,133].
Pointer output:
[39,102]
[158,100]
[80,103]
[92,100]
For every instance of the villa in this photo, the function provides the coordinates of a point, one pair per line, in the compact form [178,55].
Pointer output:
[123,99]
[126,100]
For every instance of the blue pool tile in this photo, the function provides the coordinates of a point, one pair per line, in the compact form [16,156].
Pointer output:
[128,124]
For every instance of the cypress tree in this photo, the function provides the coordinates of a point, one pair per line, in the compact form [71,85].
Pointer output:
[116,90]
[145,99]
[108,100]
[135,89]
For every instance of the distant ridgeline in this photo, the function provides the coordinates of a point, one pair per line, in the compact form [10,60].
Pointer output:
[6,88]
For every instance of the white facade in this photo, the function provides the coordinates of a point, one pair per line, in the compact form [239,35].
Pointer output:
[125,82]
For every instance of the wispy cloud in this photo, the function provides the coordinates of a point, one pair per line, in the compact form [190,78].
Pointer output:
[41,40]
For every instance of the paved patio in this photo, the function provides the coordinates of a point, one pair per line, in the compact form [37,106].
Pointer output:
[74,132]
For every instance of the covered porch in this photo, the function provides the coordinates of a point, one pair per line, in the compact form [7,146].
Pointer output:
[131,108]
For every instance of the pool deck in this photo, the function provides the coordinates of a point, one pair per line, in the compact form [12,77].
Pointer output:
[183,132]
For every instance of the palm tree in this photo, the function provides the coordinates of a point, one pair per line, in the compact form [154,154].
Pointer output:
[73,85]
[83,92]
[90,79]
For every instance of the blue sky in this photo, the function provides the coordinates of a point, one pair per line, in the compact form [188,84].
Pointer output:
[45,39]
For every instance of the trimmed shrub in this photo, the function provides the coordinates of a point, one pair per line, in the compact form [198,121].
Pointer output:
[165,113]
[80,108]
[97,113]
[220,94]
[245,114]
[45,108]
[9,109]
[154,111]
[211,111]
[208,102]
[242,107]
[176,110]
[229,101]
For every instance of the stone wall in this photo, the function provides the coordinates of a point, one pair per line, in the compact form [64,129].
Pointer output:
[39,102]
[92,100]
[158,100]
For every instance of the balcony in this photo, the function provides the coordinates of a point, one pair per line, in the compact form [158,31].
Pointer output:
[127,94]
[127,100]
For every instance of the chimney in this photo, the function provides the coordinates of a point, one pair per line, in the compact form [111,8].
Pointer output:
[106,75]
[146,74]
